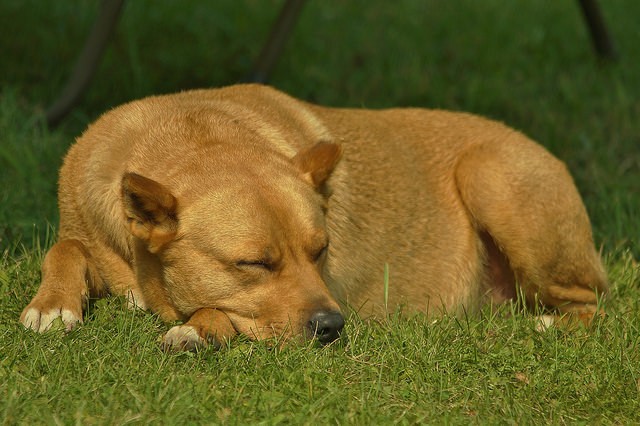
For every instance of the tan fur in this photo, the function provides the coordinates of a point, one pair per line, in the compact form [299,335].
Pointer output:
[216,207]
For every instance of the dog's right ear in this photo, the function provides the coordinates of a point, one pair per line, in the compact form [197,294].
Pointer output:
[318,161]
[151,210]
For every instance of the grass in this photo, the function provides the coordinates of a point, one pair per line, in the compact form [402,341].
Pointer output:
[524,63]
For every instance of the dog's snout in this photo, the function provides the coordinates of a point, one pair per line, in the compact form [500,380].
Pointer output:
[326,326]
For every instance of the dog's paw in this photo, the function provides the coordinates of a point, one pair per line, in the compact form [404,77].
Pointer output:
[569,321]
[545,322]
[41,320]
[183,338]
[135,300]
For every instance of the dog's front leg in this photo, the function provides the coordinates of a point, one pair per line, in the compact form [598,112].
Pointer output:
[205,327]
[66,273]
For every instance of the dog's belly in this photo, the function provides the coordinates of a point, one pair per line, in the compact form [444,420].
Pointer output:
[435,264]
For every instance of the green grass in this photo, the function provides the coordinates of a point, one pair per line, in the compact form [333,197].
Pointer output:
[527,63]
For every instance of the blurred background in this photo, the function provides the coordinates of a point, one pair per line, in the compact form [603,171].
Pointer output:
[528,63]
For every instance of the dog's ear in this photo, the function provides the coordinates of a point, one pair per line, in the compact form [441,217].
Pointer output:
[318,161]
[151,210]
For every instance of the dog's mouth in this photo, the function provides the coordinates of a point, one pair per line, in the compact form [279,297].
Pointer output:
[324,326]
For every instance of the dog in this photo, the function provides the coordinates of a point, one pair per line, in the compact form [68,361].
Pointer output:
[242,210]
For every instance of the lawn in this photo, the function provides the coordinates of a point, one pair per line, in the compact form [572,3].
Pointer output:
[527,63]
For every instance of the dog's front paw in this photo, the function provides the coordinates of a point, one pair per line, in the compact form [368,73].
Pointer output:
[41,320]
[183,338]
[135,300]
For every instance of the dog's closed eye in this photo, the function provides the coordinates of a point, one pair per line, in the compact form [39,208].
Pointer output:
[255,264]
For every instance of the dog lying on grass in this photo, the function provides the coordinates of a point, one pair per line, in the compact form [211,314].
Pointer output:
[244,211]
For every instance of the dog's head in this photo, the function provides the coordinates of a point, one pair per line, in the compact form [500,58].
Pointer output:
[246,236]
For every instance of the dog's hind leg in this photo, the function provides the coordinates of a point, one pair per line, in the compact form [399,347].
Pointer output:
[66,273]
[526,201]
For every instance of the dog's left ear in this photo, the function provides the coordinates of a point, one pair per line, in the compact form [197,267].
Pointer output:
[151,210]
[318,161]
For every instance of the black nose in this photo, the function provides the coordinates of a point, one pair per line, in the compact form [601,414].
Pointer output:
[326,326]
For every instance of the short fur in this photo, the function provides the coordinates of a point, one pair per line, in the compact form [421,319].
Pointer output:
[243,210]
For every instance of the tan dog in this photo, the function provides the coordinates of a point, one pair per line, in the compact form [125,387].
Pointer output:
[233,211]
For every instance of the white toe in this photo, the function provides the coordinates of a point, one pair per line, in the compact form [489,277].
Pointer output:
[69,319]
[31,319]
[544,322]
[135,300]
[47,319]
[183,337]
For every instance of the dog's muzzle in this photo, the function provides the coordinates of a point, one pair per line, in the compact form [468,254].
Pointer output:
[326,326]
